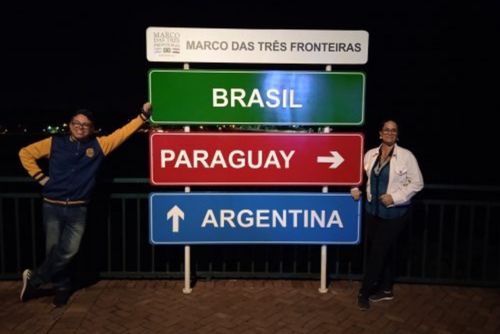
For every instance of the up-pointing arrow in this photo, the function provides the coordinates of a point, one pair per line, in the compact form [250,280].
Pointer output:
[335,159]
[175,213]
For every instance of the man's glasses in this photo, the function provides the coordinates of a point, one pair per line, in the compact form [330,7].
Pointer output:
[81,125]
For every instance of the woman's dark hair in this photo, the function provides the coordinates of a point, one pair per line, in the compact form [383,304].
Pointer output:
[381,125]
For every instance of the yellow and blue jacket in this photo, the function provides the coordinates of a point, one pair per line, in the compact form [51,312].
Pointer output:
[73,165]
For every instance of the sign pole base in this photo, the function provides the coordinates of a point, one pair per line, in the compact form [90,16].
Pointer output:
[323,288]
[187,270]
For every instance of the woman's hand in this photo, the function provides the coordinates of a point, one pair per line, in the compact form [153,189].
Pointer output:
[386,199]
[356,193]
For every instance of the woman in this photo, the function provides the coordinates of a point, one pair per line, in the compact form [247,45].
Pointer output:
[393,178]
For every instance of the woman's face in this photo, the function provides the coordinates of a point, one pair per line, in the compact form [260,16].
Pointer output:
[389,133]
[81,127]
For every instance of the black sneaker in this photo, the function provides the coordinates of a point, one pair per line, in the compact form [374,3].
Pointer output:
[61,297]
[363,303]
[28,291]
[381,295]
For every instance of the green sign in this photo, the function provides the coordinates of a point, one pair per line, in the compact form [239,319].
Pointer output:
[257,97]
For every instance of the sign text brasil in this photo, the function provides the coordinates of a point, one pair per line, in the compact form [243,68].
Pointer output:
[264,98]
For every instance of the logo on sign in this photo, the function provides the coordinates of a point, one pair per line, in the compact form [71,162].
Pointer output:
[166,43]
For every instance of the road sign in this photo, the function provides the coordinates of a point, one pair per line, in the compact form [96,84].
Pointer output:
[255,158]
[257,97]
[270,46]
[254,218]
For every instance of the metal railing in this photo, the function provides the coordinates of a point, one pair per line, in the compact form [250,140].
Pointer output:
[453,238]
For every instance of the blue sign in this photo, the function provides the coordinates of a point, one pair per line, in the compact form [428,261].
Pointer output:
[254,218]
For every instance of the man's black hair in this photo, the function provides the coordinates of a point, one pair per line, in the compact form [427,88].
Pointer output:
[85,112]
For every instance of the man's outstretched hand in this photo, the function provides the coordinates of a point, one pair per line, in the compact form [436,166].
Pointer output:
[146,110]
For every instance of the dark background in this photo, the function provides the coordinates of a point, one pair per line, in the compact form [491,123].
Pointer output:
[431,66]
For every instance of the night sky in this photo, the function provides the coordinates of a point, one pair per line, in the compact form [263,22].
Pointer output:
[433,67]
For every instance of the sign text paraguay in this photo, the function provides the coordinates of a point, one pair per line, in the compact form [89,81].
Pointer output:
[257,97]
[255,158]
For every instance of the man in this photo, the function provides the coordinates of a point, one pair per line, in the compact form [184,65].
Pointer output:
[74,160]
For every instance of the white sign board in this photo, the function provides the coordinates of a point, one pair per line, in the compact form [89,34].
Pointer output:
[270,46]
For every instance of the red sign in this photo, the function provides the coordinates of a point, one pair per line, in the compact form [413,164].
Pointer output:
[255,158]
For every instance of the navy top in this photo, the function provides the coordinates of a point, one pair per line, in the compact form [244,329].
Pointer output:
[378,186]
[73,167]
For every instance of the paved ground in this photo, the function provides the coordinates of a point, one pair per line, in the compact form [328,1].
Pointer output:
[250,306]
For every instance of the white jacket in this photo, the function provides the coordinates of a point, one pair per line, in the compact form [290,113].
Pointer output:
[405,178]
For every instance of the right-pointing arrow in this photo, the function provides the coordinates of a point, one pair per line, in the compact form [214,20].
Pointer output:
[335,159]
[175,213]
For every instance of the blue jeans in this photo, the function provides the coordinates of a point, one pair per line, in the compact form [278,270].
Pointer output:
[64,227]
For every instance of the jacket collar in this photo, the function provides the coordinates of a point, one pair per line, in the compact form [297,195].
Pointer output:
[394,152]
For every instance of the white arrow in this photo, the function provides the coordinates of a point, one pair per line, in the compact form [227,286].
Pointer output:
[335,159]
[175,213]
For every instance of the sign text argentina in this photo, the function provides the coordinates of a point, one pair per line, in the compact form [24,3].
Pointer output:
[261,97]
[246,218]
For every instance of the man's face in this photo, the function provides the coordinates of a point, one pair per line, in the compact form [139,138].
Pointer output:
[81,127]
